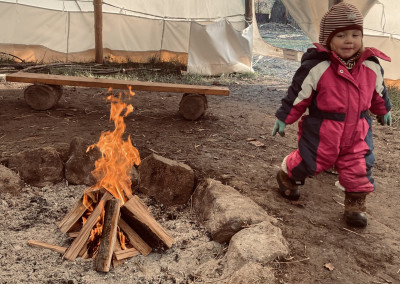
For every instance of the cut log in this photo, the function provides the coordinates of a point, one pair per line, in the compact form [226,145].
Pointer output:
[136,241]
[193,106]
[39,244]
[126,253]
[108,236]
[72,217]
[42,97]
[76,246]
[136,214]
[117,248]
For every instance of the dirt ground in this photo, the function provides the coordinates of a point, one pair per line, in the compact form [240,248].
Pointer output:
[322,248]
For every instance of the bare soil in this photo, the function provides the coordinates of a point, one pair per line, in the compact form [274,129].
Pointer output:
[221,146]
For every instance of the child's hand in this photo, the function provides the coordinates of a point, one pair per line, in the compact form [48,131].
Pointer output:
[279,127]
[385,119]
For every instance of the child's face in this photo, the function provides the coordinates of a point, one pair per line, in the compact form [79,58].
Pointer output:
[346,43]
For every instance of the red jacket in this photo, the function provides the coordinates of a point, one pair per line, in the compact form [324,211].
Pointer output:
[337,128]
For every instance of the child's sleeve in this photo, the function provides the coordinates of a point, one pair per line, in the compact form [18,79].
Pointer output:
[380,103]
[301,91]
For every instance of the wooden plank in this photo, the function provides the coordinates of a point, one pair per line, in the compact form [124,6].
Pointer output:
[108,236]
[136,214]
[77,245]
[39,244]
[36,78]
[136,241]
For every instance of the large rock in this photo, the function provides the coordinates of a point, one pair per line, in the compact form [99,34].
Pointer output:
[253,273]
[80,164]
[168,181]
[261,243]
[38,167]
[224,210]
[9,180]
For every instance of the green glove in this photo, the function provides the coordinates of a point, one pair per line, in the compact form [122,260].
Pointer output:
[385,119]
[279,127]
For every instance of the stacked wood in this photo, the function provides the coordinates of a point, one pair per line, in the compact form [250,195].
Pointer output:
[132,221]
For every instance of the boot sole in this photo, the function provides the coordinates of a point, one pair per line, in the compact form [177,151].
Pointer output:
[355,219]
[291,194]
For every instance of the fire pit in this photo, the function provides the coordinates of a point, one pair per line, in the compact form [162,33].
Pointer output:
[109,223]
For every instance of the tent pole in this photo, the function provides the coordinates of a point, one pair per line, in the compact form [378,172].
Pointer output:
[98,30]
[248,12]
[334,2]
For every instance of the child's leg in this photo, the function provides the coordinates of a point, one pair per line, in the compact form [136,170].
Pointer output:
[355,175]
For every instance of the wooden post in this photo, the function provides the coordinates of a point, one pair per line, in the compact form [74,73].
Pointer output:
[108,236]
[98,30]
[248,12]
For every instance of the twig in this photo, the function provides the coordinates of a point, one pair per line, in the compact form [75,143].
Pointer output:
[289,262]
[353,232]
[337,201]
[13,56]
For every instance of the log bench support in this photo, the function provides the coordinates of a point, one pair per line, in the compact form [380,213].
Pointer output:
[47,90]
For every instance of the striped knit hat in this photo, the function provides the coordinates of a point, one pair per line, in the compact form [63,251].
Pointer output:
[340,17]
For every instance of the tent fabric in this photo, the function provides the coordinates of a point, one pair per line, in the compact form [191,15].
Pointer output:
[231,49]
[133,30]
[381,28]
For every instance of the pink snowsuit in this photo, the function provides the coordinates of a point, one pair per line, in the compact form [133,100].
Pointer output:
[337,129]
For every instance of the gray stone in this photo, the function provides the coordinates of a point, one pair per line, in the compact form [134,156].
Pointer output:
[38,167]
[253,273]
[9,180]
[224,210]
[80,163]
[261,243]
[168,181]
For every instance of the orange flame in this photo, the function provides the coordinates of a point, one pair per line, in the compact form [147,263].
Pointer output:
[113,169]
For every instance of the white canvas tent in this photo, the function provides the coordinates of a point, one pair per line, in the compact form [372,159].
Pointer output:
[210,36]
[207,35]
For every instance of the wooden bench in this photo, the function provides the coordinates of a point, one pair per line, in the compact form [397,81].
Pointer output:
[47,90]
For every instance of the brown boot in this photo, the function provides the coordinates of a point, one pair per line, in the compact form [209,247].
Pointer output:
[354,209]
[287,187]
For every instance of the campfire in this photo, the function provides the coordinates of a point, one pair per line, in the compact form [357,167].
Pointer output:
[109,223]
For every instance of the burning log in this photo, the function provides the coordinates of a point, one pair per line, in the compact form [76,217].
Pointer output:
[76,246]
[136,241]
[73,216]
[136,214]
[108,236]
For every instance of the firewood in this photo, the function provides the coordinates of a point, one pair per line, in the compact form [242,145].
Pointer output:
[72,217]
[117,248]
[73,234]
[108,235]
[136,241]
[136,214]
[126,253]
[39,244]
[76,246]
